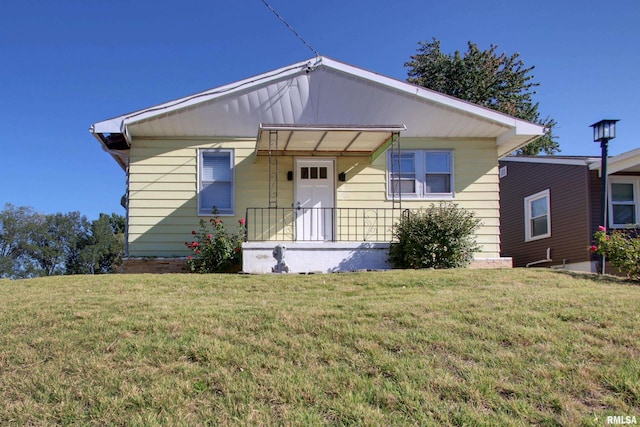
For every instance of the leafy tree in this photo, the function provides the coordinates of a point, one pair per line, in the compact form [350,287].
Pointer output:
[33,244]
[54,238]
[101,250]
[497,81]
[16,229]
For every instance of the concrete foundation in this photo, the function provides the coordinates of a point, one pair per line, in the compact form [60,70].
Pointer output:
[331,257]
[301,257]
[316,257]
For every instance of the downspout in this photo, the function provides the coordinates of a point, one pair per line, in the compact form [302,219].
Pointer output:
[122,158]
[547,259]
[126,212]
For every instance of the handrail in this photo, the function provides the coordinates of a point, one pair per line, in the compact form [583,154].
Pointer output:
[322,224]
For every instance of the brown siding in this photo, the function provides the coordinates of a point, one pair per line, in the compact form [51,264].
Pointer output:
[568,187]
[595,187]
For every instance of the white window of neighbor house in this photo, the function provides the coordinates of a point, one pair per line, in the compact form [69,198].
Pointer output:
[537,212]
[215,182]
[421,174]
[623,206]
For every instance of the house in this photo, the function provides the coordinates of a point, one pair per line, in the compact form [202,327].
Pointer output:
[320,157]
[551,207]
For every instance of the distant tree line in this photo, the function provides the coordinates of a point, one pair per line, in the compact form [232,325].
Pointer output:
[34,244]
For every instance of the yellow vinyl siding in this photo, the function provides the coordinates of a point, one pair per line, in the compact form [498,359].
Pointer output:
[476,184]
[163,184]
[163,188]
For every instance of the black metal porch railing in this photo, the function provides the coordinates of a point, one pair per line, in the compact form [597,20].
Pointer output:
[322,224]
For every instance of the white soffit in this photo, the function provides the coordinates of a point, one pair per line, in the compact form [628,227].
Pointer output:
[324,139]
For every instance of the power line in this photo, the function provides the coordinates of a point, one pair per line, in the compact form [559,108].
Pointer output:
[290,28]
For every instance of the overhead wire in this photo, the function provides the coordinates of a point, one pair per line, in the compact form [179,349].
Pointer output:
[216,92]
[291,28]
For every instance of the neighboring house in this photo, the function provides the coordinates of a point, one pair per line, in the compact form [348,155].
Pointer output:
[551,206]
[319,156]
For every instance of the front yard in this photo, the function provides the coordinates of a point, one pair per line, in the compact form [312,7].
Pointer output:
[427,347]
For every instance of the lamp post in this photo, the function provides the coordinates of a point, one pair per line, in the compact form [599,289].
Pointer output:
[603,131]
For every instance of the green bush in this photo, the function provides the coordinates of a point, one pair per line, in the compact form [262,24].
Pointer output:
[621,248]
[437,237]
[215,250]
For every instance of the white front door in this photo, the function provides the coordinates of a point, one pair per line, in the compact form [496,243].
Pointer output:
[315,195]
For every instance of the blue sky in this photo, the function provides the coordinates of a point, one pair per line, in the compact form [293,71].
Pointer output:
[65,64]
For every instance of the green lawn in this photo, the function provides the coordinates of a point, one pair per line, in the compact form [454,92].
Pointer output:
[462,347]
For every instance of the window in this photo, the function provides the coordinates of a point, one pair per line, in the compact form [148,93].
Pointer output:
[313,172]
[215,184]
[420,174]
[623,206]
[537,216]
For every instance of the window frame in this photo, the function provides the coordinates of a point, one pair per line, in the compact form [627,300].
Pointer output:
[231,155]
[420,172]
[635,182]
[528,217]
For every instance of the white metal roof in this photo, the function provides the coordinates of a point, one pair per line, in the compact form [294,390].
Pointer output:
[320,92]
[554,160]
[325,139]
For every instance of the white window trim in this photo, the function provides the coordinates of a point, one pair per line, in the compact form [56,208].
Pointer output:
[420,171]
[527,215]
[231,152]
[636,198]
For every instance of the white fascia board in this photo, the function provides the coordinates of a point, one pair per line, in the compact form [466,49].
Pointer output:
[550,160]
[519,127]
[629,159]
[522,127]
[208,95]
[113,125]
[119,124]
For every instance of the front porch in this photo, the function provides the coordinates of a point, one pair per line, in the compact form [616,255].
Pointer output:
[315,257]
[326,240]
[322,240]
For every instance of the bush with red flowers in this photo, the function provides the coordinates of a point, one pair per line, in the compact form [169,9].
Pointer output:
[621,248]
[214,249]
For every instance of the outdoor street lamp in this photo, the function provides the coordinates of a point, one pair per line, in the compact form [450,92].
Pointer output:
[603,131]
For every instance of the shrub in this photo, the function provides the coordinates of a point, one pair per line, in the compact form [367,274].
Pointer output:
[437,237]
[215,250]
[621,248]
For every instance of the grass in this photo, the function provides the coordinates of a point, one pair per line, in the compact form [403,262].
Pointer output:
[461,347]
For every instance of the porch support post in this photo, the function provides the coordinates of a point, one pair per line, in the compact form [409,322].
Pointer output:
[273,168]
[393,143]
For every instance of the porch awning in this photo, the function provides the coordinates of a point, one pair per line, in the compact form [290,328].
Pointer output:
[333,140]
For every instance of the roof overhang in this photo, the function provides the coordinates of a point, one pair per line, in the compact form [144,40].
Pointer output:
[627,162]
[334,140]
[315,92]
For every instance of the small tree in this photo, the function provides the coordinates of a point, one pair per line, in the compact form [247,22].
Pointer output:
[438,237]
